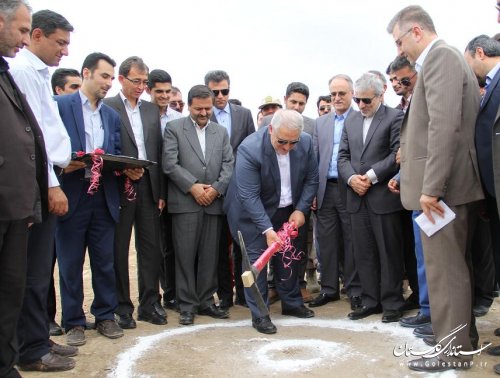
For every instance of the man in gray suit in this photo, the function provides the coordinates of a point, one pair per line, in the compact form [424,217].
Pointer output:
[438,161]
[198,161]
[140,138]
[333,224]
[239,124]
[366,162]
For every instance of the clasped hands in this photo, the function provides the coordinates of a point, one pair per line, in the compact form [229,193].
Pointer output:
[360,184]
[204,194]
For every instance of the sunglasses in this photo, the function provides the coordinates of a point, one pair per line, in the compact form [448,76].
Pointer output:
[366,101]
[340,94]
[290,142]
[323,108]
[406,81]
[224,92]
[175,103]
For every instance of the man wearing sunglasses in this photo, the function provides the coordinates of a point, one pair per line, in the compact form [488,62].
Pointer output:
[438,162]
[274,181]
[324,105]
[367,161]
[239,124]
[403,78]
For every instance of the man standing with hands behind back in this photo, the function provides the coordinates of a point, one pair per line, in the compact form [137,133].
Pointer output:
[438,161]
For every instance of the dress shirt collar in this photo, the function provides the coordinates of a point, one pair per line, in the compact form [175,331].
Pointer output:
[225,110]
[126,101]
[492,74]
[345,114]
[198,126]
[420,60]
[86,101]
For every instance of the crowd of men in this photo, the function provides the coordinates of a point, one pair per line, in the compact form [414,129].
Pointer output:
[358,178]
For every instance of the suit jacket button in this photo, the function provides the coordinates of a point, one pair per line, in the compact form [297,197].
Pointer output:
[28,129]
[204,167]
[362,163]
[32,157]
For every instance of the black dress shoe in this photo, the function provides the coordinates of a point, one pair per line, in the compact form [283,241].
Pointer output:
[126,321]
[497,332]
[391,316]
[152,317]
[298,312]
[356,303]
[430,340]
[496,368]
[159,309]
[435,365]
[55,329]
[424,331]
[214,312]
[264,325]
[480,310]
[363,312]
[224,305]
[186,318]
[418,320]
[494,350]
[322,299]
[171,305]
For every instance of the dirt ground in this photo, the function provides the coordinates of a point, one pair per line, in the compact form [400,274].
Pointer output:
[328,345]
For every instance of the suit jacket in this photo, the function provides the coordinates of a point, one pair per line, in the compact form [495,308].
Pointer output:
[73,184]
[323,148]
[241,125]
[485,133]
[438,156]
[377,153]
[496,157]
[150,117]
[22,157]
[254,192]
[185,165]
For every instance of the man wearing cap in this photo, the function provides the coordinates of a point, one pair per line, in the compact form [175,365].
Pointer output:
[268,107]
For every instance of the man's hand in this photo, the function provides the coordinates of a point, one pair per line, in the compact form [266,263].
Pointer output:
[58,203]
[429,204]
[360,184]
[161,205]
[74,165]
[314,205]
[211,193]
[199,194]
[134,173]
[298,218]
[271,237]
[398,156]
[393,186]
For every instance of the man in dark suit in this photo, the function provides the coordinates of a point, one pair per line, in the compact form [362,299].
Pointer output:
[91,218]
[23,173]
[483,55]
[438,162]
[198,161]
[333,224]
[239,124]
[275,181]
[366,162]
[140,138]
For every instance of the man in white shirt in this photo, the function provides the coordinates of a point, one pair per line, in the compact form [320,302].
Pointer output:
[49,40]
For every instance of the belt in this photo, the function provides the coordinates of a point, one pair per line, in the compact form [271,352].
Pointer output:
[333,179]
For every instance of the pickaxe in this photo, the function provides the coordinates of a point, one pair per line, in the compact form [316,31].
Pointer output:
[251,271]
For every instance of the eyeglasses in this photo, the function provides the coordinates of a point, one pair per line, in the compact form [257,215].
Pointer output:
[224,92]
[340,94]
[290,142]
[366,101]
[176,103]
[323,108]
[138,82]
[406,81]
[398,41]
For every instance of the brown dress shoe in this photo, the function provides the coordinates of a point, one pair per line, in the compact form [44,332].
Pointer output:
[49,362]
[110,329]
[306,295]
[63,350]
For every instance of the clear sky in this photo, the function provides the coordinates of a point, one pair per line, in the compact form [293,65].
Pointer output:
[262,44]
